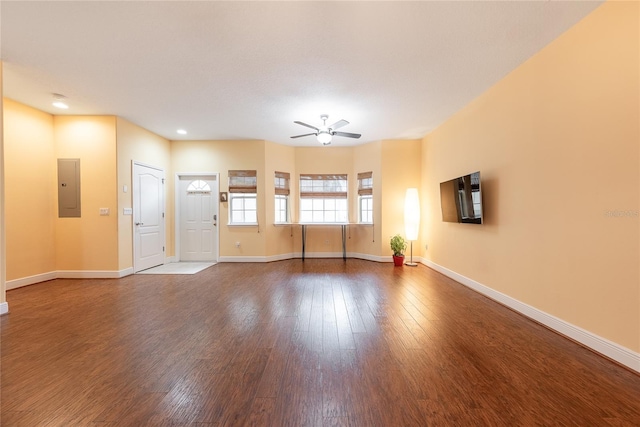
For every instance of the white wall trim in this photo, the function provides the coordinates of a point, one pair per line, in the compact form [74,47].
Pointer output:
[369,257]
[26,281]
[169,260]
[125,272]
[322,254]
[309,255]
[598,344]
[4,308]
[69,274]
[90,274]
[242,259]
[280,257]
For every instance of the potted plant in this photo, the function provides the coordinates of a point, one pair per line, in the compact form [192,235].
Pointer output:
[398,246]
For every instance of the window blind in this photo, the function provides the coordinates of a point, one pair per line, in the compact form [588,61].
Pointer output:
[243,181]
[282,183]
[326,186]
[365,184]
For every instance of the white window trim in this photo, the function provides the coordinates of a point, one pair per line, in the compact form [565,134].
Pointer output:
[241,195]
[324,192]
[325,199]
[360,199]
[287,213]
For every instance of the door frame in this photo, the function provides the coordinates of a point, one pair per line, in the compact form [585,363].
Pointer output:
[134,189]
[177,200]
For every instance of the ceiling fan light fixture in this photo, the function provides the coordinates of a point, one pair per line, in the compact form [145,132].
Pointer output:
[324,137]
[324,134]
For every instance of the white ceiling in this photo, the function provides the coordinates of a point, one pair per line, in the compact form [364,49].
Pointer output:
[247,70]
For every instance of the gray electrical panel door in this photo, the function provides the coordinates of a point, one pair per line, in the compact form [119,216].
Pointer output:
[69,188]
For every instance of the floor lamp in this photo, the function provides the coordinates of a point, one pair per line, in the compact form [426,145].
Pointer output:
[411,219]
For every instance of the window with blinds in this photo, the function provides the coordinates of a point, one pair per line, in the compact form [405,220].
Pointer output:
[323,198]
[365,197]
[282,197]
[243,203]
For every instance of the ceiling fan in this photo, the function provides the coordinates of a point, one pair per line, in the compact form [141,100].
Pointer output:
[325,133]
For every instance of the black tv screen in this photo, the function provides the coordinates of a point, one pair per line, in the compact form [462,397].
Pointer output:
[461,199]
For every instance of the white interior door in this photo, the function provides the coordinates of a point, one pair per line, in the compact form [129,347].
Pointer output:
[148,217]
[198,218]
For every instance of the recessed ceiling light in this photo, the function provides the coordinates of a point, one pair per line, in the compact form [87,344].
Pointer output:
[60,101]
[182,131]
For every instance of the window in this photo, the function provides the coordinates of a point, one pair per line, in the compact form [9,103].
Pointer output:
[198,186]
[365,197]
[282,197]
[323,198]
[243,206]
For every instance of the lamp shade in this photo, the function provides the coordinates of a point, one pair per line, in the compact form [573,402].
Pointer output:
[324,137]
[411,214]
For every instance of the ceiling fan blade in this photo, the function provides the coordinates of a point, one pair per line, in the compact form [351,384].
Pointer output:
[347,134]
[338,124]
[300,136]
[309,126]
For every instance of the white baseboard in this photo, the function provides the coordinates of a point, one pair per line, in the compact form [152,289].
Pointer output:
[601,345]
[68,274]
[242,259]
[297,255]
[4,308]
[170,259]
[280,257]
[322,255]
[369,257]
[26,281]
[125,272]
[90,274]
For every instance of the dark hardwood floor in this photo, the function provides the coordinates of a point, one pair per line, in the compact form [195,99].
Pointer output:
[321,343]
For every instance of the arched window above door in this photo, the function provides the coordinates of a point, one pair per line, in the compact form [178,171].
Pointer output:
[198,186]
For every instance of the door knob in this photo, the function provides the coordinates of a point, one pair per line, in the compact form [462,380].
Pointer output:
[139,223]
[215,220]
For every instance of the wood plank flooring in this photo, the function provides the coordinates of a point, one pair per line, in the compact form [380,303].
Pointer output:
[319,343]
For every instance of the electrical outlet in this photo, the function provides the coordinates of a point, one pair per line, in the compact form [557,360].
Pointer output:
[237,244]
[104,211]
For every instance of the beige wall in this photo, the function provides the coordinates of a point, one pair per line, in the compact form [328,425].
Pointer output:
[40,242]
[220,157]
[108,145]
[400,159]
[323,160]
[30,204]
[137,144]
[401,169]
[279,158]
[3,252]
[366,239]
[557,145]
[89,243]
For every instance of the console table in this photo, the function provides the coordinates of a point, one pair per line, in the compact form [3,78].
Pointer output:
[343,227]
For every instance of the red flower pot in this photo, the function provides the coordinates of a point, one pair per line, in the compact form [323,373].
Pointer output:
[398,260]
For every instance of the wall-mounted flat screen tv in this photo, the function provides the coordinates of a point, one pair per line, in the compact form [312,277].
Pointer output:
[461,199]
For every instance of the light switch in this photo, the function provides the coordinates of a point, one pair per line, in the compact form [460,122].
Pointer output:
[125,188]
[104,211]
[127,211]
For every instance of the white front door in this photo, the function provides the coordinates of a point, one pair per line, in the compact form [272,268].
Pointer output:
[198,218]
[148,217]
